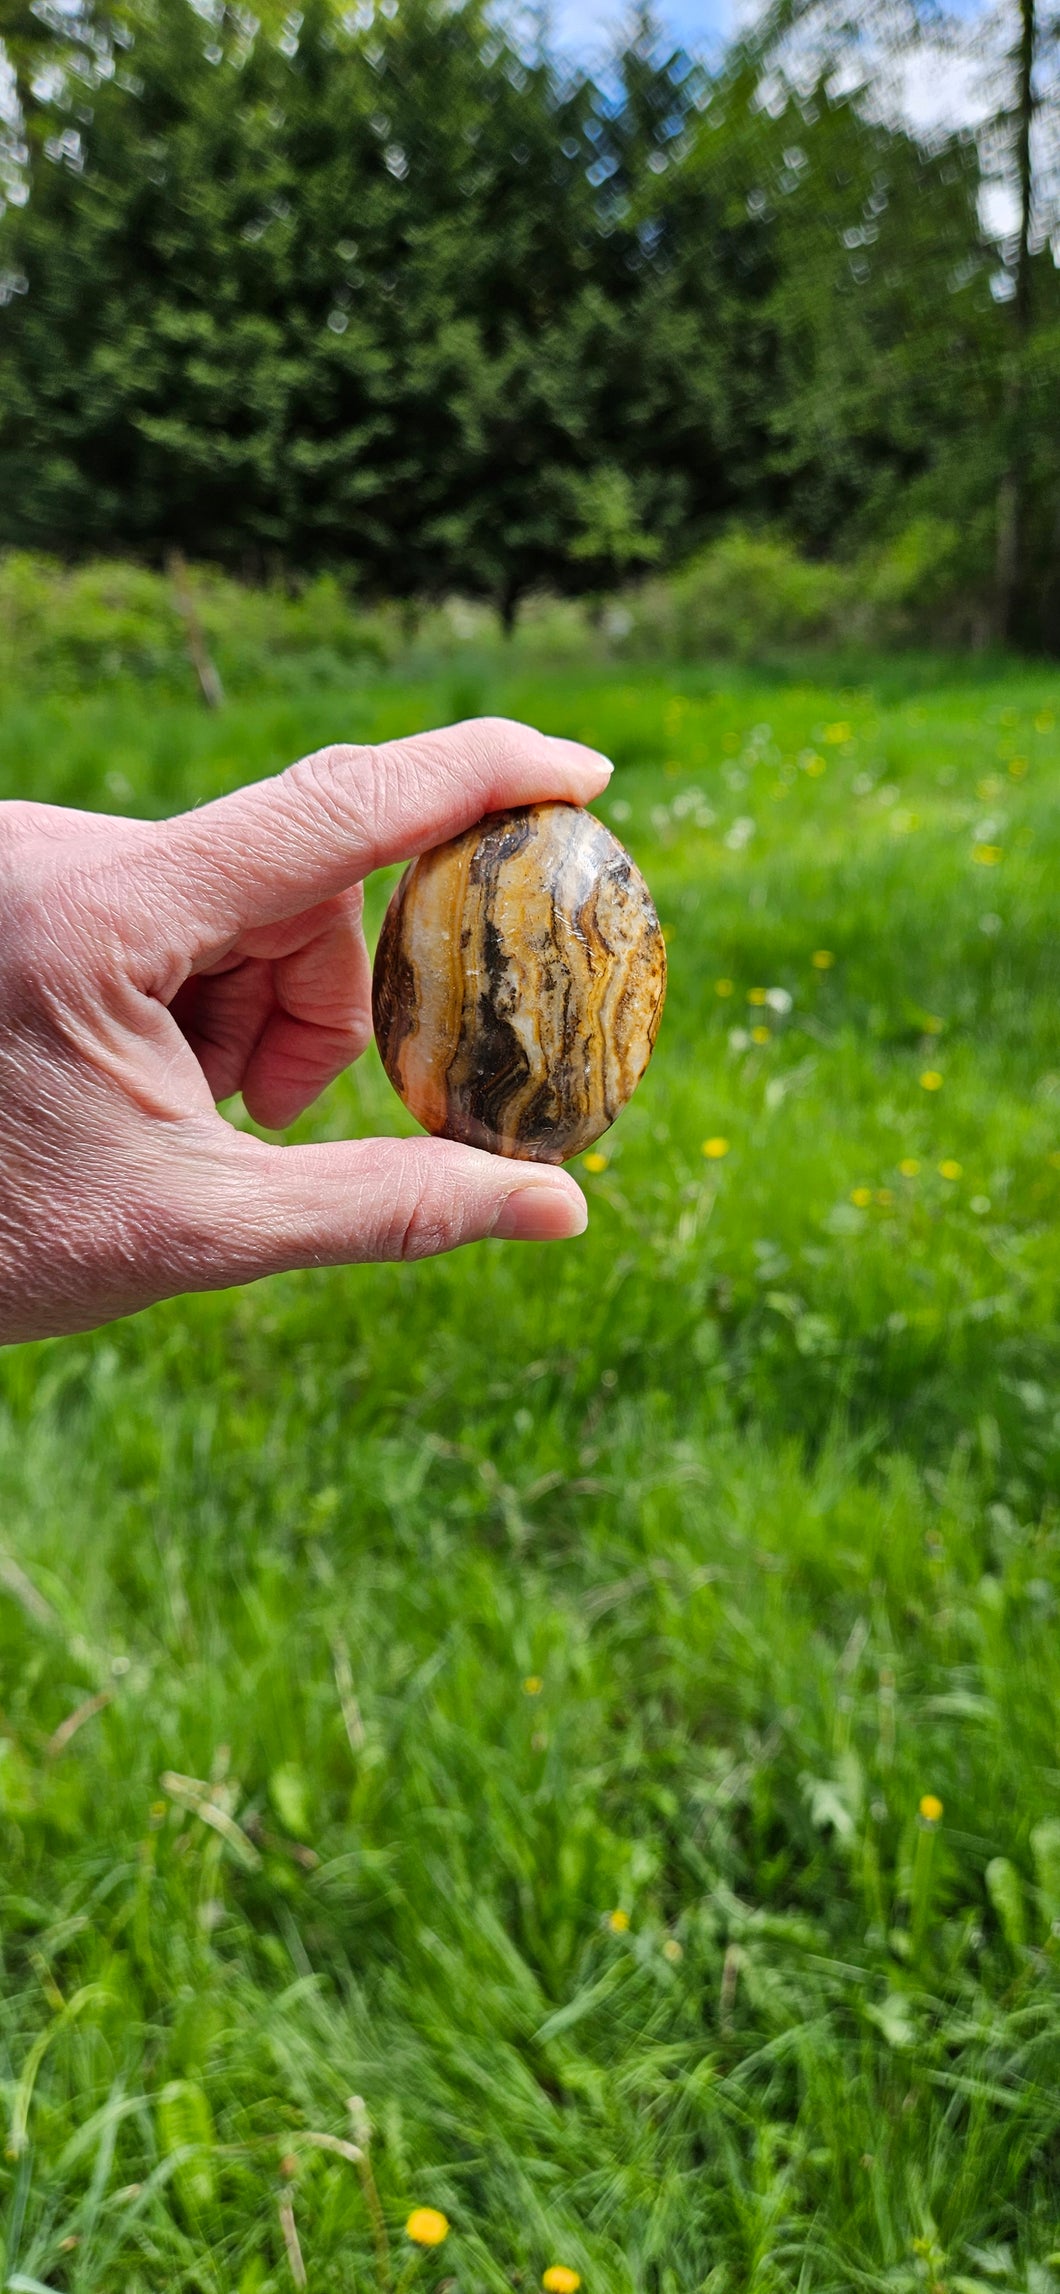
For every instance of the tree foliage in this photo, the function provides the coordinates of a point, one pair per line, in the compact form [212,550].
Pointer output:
[384,293]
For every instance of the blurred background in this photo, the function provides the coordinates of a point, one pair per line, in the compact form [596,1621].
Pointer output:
[440,301]
[555,1752]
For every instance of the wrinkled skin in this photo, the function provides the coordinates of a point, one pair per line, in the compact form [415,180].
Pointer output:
[150,969]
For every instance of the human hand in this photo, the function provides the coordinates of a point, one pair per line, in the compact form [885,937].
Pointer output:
[149,969]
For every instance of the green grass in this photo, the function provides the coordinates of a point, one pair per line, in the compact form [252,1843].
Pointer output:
[758,1483]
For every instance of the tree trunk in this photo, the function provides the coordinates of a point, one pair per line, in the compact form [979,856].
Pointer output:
[1011,490]
[1051,599]
[210,685]
[508,607]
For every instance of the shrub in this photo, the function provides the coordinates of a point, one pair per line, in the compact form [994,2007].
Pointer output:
[71,629]
[745,596]
[926,581]
[753,597]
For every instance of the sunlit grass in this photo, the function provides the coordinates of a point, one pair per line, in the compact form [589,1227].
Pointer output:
[595,1708]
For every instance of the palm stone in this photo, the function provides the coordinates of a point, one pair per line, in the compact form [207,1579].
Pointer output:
[519,983]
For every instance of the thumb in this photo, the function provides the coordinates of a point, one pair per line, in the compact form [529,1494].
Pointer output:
[273,1209]
[281,846]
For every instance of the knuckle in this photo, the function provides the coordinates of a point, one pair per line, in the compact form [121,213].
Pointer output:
[500,732]
[357,1033]
[482,744]
[499,739]
[400,779]
[418,1228]
[18,820]
[436,1200]
[340,781]
[350,906]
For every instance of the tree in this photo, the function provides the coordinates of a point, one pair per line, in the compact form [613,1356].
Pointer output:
[380,292]
[393,298]
[1014,50]
[1021,151]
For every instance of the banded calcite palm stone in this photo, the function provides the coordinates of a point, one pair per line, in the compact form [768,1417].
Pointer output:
[519,983]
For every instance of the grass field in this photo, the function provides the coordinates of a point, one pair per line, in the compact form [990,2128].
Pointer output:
[505,1689]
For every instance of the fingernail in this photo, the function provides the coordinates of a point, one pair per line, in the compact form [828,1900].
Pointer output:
[560,741]
[541,1214]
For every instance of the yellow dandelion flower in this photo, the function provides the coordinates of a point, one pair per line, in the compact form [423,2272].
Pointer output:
[909,1166]
[986,855]
[1044,721]
[759,1035]
[931,1080]
[756,995]
[426,2226]
[595,1163]
[862,1196]
[822,959]
[884,1195]
[673,1951]
[1017,767]
[948,1169]
[932,1024]
[837,733]
[723,987]
[815,766]
[714,1149]
[618,1922]
[533,1685]
[558,2279]
[930,1809]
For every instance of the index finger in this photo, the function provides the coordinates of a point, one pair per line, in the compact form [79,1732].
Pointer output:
[282,845]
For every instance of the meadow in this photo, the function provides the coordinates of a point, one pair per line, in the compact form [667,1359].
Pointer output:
[594,1707]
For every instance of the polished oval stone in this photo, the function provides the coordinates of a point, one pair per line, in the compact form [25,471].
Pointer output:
[519,983]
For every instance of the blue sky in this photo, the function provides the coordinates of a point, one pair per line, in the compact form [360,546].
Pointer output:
[581,24]
[937,89]
[585,25]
